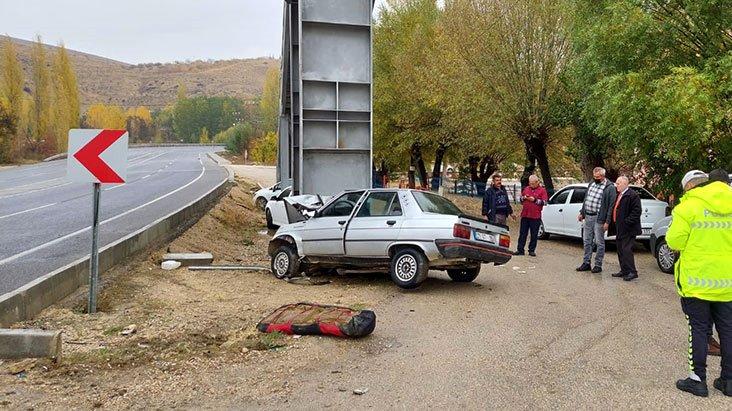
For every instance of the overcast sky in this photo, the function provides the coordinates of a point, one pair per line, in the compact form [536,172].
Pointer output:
[145,31]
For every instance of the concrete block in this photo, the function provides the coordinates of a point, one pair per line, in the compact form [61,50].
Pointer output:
[187,259]
[17,343]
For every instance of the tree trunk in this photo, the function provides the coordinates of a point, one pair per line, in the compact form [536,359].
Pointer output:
[530,165]
[437,169]
[543,159]
[419,163]
[488,166]
[439,155]
[473,165]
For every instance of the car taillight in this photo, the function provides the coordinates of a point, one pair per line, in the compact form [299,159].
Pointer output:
[505,241]
[461,231]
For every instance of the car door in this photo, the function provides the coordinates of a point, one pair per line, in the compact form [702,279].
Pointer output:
[572,227]
[277,208]
[324,233]
[553,214]
[375,226]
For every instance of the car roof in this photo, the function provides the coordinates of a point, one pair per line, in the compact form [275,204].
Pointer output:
[585,185]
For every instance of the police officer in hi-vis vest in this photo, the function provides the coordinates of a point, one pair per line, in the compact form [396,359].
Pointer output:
[701,230]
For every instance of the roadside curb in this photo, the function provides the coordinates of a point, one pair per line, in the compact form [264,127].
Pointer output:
[26,302]
[223,163]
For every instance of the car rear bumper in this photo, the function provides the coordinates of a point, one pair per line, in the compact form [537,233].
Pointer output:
[472,250]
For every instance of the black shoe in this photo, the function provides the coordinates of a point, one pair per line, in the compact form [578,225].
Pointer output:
[596,269]
[723,385]
[584,267]
[518,253]
[531,253]
[619,274]
[698,388]
[630,277]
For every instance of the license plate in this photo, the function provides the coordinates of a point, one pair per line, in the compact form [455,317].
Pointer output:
[489,238]
[646,231]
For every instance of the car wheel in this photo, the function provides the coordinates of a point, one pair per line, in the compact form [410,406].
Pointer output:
[464,275]
[261,202]
[542,233]
[270,224]
[409,268]
[285,263]
[665,257]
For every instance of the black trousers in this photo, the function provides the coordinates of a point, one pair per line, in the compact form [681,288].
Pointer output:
[528,224]
[700,315]
[625,254]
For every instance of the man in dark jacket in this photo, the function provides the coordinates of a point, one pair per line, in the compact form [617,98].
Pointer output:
[625,225]
[496,205]
[595,215]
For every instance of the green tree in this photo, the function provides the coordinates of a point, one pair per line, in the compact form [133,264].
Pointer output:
[659,81]
[237,137]
[269,104]
[515,52]
[191,115]
[407,118]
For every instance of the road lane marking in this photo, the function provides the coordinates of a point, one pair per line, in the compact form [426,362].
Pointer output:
[27,211]
[65,184]
[77,232]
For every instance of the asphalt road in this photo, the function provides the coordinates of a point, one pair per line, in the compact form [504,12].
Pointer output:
[45,220]
[540,336]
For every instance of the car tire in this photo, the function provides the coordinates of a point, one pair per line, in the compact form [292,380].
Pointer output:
[408,268]
[271,225]
[261,203]
[285,262]
[464,275]
[543,235]
[665,256]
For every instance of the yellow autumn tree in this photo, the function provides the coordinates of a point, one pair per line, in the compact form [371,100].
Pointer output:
[11,91]
[103,116]
[66,102]
[42,111]
[264,149]
[269,104]
[142,112]
[204,139]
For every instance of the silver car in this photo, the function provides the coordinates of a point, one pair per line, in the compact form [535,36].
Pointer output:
[665,256]
[404,232]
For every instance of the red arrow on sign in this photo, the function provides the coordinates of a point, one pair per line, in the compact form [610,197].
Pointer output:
[88,156]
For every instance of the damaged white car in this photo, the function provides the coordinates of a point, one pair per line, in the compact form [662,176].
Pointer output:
[264,194]
[404,232]
[276,209]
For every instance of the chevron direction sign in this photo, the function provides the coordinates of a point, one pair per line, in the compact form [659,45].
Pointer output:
[97,156]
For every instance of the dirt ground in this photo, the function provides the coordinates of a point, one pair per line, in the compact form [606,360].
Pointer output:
[195,331]
[532,334]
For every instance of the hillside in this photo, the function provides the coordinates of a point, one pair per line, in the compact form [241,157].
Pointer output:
[155,85]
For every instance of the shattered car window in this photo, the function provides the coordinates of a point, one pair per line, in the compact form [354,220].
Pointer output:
[433,203]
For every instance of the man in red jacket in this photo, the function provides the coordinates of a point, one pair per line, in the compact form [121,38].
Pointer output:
[533,198]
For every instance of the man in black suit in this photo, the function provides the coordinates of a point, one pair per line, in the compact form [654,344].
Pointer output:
[626,226]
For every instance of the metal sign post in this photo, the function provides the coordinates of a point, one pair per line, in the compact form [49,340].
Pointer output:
[94,261]
[96,156]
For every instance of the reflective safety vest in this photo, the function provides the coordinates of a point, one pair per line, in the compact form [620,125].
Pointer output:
[701,230]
